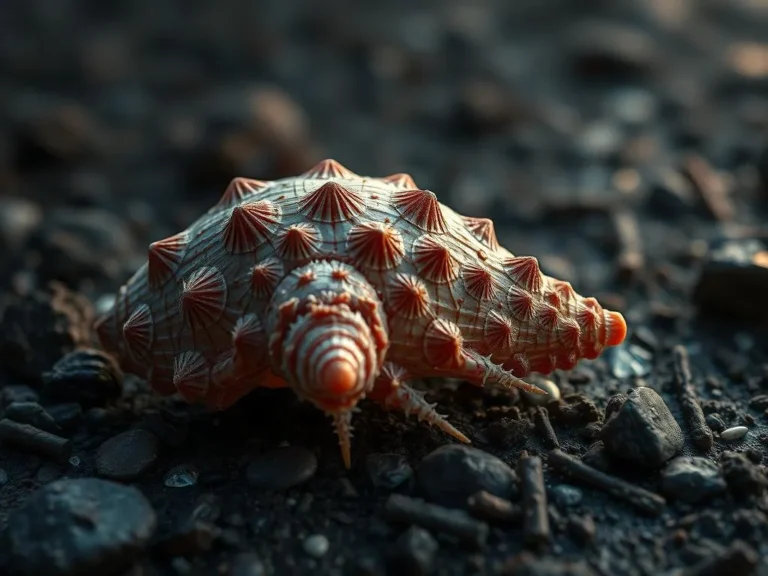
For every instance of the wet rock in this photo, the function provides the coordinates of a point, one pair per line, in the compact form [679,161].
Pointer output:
[34,414]
[181,476]
[628,361]
[576,410]
[451,474]
[730,277]
[282,468]
[715,423]
[642,430]
[692,479]
[87,376]
[413,553]
[127,455]
[388,471]
[78,527]
[38,329]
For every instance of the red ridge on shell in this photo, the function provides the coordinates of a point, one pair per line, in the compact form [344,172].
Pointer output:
[433,260]
[498,332]
[248,333]
[569,333]
[375,245]
[329,168]
[138,332]
[553,299]
[421,208]
[238,190]
[478,281]
[401,180]
[299,241]
[331,202]
[164,258]
[408,297]
[442,344]
[565,291]
[191,375]
[567,361]
[524,270]
[306,278]
[547,316]
[521,304]
[250,225]
[482,229]
[588,318]
[338,272]
[265,276]
[204,296]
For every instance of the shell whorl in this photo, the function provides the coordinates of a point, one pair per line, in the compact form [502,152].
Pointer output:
[328,337]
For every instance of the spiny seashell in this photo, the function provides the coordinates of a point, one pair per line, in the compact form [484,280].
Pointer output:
[343,288]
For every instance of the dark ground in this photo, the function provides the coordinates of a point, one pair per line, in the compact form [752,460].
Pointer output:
[619,142]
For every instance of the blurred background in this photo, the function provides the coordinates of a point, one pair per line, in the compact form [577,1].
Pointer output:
[609,138]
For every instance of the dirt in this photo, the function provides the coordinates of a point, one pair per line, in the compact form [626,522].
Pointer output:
[624,144]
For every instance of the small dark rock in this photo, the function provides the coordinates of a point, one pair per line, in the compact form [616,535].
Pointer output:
[643,431]
[282,468]
[743,477]
[566,496]
[388,471]
[38,329]
[576,410]
[715,423]
[413,553]
[17,393]
[67,416]
[671,195]
[34,414]
[247,564]
[87,376]
[451,474]
[692,479]
[82,527]
[602,48]
[127,455]
[759,402]
[728,279]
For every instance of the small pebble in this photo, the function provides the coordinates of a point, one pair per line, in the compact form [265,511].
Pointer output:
[715,423]
[127,455]
[282,468]
[388,471]
[692,479]
[641,429]
[413,553]
[470,470]
[735,433]
[181,476]
[247,564]
[567,496]
[316,545]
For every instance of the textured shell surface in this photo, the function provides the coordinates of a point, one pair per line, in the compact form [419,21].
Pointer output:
[400,285]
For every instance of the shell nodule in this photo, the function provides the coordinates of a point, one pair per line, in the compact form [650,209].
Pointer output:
[344,288]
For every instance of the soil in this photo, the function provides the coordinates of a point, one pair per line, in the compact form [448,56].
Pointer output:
[624,144]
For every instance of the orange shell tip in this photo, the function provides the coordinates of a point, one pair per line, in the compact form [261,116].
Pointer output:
[615,328]
[338,377]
